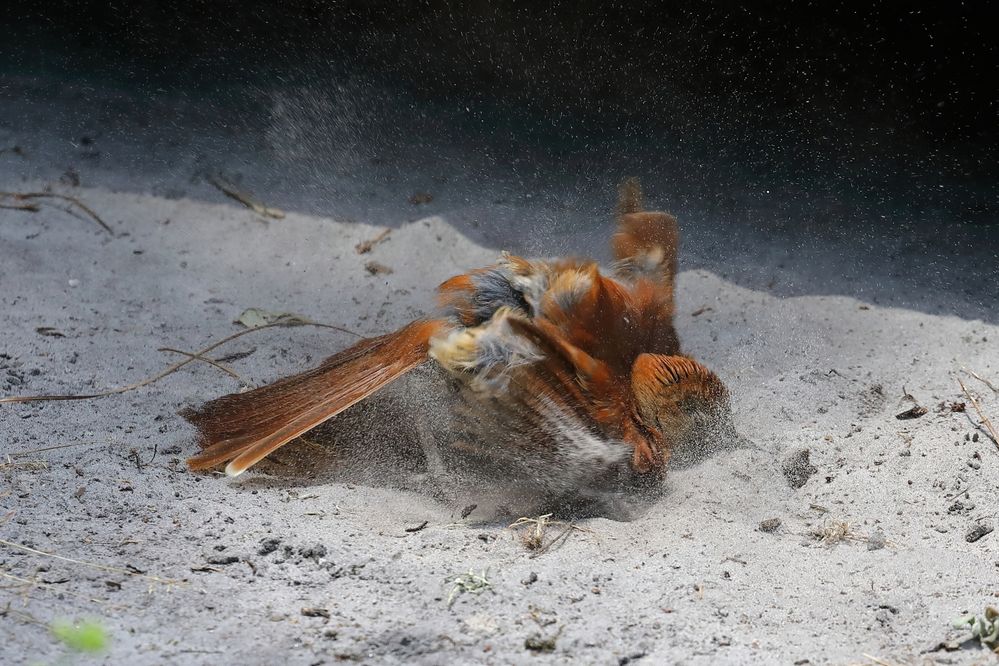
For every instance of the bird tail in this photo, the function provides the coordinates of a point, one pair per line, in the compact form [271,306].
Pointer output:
[243,428]
[629,197]
[646,242]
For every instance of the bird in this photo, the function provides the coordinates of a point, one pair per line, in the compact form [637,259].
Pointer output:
[558,373]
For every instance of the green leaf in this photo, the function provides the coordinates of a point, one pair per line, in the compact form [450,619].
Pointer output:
[86,636]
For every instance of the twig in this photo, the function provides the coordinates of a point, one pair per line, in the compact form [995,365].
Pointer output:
[49,586]
[366,246]
[985,420]
[30,465]
[29,207]
[880,662]
[419,527]
[23,196]
[563,536]
[230,191]
[534,538]
[981,379]
[211,362]
[94,565]
[49,448]
[173,368]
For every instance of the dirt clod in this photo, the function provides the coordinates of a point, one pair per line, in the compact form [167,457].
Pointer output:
[798,468]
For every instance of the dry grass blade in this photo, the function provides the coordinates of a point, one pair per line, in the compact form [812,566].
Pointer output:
[93,565]
[981,379]
[22,197]
[880,662]
[232,192]
[985,420]
[29,465]
[29,207]
[49,448]
[837,531]
[196,357]
[366,246]
[171,369]
[534,538]
[48,586]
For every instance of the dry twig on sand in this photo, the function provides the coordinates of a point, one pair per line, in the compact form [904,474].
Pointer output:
[233,192]
[985,420]
[93,565]
[836,531]
[173,368]
[24,201]
[30,465]
[981,379]
[366,246]
[212,362]
[534,537]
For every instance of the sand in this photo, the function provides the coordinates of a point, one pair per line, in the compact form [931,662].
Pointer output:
[818,342]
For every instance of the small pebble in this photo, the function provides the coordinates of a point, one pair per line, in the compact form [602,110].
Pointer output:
[978,531]
[770,525]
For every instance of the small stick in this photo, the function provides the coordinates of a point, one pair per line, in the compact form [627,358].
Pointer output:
[260,209]
[366,246]
[49,448]
[103,567]
[981,379]
[211,362]
[29,207]
[981,414]
[49,586]
[418,527]
[173,368]
[19,196]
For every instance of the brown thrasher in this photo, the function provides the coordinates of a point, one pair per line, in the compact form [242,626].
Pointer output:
[550,365]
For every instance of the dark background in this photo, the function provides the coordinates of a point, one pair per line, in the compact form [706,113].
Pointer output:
[893,102]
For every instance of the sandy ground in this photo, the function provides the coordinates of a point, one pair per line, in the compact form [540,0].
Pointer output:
[299,568]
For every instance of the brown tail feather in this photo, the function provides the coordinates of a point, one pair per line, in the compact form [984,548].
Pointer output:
[646,243]
[629,197]
[246,427]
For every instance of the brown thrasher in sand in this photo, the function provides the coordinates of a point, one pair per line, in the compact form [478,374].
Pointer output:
[550,365]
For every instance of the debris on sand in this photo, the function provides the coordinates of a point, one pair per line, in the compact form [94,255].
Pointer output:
[421,198]
[985,628]
[770,525]
[375,268]
[471,582]
[539,643]
[366,246]
[877,540]
[232,192]
[26,201]
[257,317]
[912,413]
[836,531]
[268,546]
[978,531]
[798,468]
[986,423]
